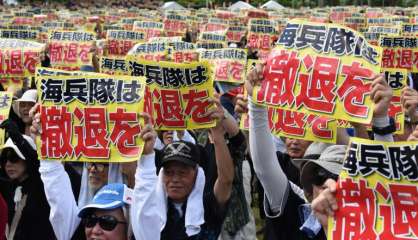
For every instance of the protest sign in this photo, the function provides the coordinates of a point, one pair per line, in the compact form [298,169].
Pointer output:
[215,38]
[385,30]
[355,22]
[261,34]
[235,34]
[229,64]
[410,29]
[119,42]
[19,62]
[70,49]
[5,104]
[113,66]
[400,52]
[91,118]
[150,29]
[182,52]
[177,95]
[155,51]
[19,34]
[175,25]
[322,70]
[377,192]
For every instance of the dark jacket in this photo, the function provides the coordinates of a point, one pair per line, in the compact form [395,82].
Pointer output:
[34,221]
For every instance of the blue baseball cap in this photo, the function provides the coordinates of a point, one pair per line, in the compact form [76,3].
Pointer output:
[110,196]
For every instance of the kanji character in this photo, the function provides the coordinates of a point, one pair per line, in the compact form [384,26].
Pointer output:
[350,163]
[280,74]
[92,132]
[113,47]
[55,52]
[404,162]
[313,36]
[357,211]
[137,70]
[252,40]
[51,90]
[221,72]
[317,92]
[353,91]
[339,41]
[168,108]
[14,63]
[126,128]
[75,88]
[400,221]
[388,58]
[101,90]
[404,58]
[265,41]
[56,134]
[70,52]
[373,158]
[288,36]
[178,57]
[197,105]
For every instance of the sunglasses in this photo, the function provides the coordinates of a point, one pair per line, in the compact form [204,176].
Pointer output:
[321,176]
[106,222]
[100,167]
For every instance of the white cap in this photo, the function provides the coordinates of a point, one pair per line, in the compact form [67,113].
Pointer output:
[10,144]
[28,96]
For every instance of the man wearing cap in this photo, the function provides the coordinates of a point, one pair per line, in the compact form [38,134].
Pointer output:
[173,204]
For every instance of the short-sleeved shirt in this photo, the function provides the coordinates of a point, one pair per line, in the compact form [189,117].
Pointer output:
[287,225]
[210,230]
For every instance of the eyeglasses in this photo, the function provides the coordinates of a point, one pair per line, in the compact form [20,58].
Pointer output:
[100,167]
[106,222]
[321,176]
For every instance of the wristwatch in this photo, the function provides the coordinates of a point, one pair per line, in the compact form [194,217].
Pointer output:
[391,128]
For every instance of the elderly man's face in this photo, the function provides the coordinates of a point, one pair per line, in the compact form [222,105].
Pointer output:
[179,180]
[296,147]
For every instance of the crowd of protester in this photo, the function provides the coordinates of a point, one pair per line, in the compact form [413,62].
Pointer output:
[187,184]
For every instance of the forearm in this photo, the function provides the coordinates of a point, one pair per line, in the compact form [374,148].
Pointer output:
[230,125]
[266,166]
[58,191]
[225,169]
[145,181]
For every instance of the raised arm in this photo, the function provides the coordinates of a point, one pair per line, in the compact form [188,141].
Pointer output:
[266,166]
[58,191]
[145,182]
[225,165]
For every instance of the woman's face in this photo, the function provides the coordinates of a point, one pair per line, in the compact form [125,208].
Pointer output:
[16,169]
[24,108]
[96,232]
